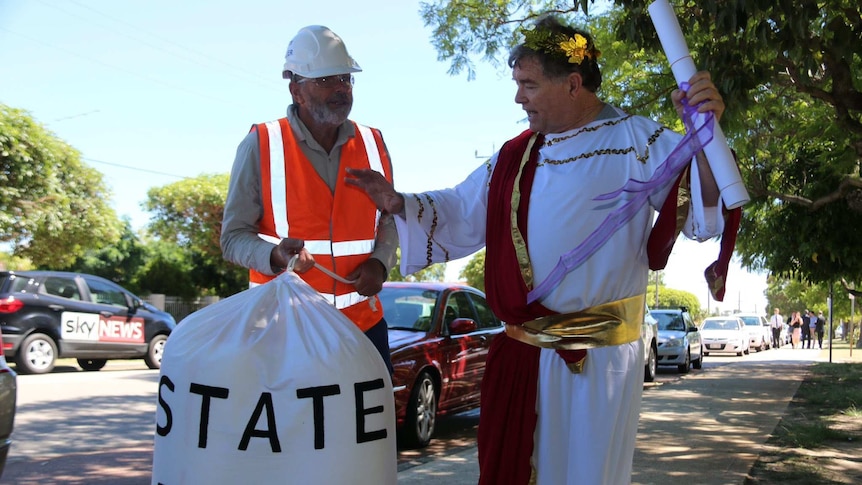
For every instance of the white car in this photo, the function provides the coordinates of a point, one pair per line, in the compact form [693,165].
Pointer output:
[725,335]
[759,332]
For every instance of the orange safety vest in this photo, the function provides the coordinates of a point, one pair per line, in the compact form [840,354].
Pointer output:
[339,230]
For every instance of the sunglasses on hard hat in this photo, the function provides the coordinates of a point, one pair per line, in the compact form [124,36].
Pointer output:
[326,81]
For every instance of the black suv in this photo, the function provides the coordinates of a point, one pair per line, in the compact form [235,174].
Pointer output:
[46,315]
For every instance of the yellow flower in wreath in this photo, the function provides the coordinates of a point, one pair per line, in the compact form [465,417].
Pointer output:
[575,48]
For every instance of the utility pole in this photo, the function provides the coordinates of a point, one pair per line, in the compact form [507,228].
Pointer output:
[829,306]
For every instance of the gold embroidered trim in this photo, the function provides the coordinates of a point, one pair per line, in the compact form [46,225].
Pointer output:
[605,151]
[587,129]
[434,221]
[421,207]
[594,153]
[517,236]
[613,323]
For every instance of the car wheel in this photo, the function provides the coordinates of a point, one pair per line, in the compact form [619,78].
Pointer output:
[747,351]
[705,354]
[698,363]
[421,412]
[686,365]
[739,354]
[92,364]
[154,353]
[37,354]
[651,365]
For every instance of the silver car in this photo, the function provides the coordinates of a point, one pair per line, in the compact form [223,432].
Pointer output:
[679,340]
[649,335]
[725,335]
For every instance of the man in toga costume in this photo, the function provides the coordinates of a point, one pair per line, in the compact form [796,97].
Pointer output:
[562,389]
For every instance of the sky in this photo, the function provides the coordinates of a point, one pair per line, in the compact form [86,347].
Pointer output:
[154,91]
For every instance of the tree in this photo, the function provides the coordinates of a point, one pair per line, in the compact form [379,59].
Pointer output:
[671,298]
[169,270]
[435,272]
[188,213]
[119,262]
[789,74]
[10,262]
[474,271]
[52,207]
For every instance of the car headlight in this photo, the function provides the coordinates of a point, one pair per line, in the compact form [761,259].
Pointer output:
[675,342]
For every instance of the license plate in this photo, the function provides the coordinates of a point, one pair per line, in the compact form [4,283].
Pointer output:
[714,346]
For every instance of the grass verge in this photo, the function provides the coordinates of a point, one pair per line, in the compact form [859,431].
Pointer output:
[819,439]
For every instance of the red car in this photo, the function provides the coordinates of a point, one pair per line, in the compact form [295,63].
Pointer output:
[439,334]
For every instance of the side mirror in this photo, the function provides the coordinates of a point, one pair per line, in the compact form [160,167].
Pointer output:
[460,326]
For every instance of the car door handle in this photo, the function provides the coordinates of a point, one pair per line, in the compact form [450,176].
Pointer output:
[106,314]
[57,308]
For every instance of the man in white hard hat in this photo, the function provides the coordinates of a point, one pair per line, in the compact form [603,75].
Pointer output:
[287,196]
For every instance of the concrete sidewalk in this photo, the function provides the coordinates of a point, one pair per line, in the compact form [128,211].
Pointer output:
[707,427]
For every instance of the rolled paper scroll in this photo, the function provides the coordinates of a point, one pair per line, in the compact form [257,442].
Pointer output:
[717,152]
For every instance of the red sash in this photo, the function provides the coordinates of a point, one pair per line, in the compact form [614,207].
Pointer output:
[506,428]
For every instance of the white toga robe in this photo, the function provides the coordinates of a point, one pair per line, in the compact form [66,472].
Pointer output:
[587,422]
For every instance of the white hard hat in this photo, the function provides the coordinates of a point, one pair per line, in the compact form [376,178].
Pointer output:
[316,51]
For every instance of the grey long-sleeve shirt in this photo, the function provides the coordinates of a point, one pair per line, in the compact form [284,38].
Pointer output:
[244,206]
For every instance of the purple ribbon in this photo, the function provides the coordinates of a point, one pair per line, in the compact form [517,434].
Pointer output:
[693,141]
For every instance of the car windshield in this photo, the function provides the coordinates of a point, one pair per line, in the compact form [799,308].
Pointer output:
[753,321]
[669,321]
[720,325]
[410,308]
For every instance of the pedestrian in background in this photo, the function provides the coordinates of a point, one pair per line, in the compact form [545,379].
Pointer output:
[818,329]
[811,329]
[796,330]
[806,332]
[776,323]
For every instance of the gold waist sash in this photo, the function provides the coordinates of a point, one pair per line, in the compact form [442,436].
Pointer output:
[614,323]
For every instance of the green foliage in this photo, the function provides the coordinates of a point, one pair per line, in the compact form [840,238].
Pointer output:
[435,272]
[168,270]
[474,271]
[789,72]
[119,262]
[671,298]
[793,295]
[188,214]
[10,262]
[462,29]
[52,207]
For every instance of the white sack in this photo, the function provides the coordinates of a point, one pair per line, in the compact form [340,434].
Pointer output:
[278,371]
